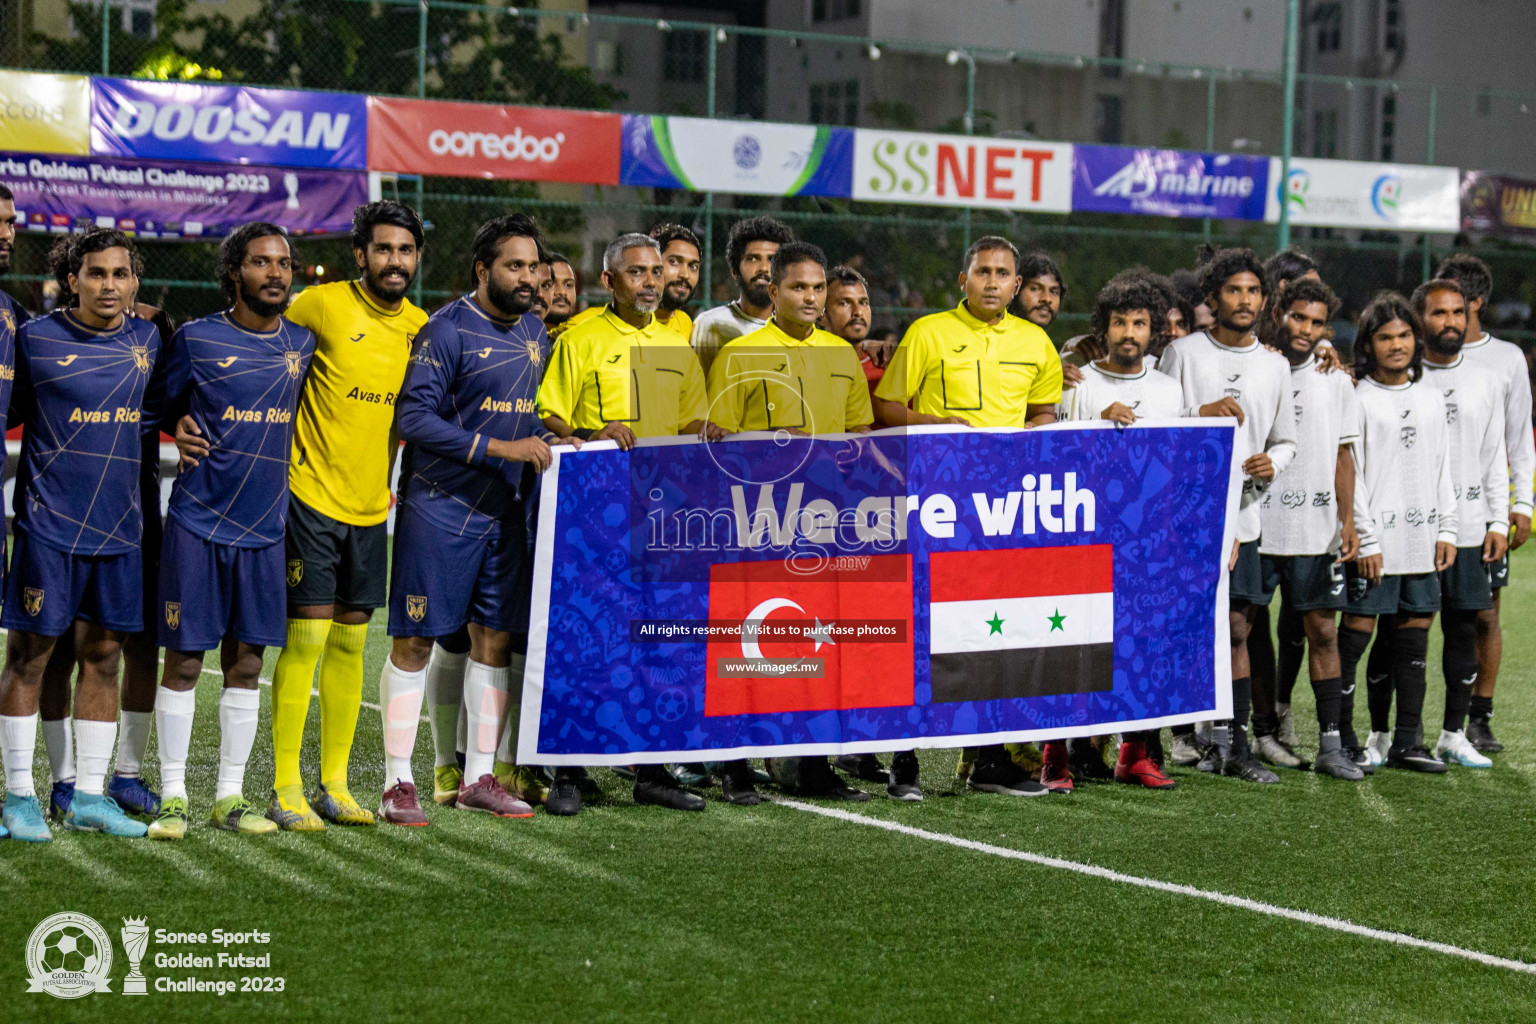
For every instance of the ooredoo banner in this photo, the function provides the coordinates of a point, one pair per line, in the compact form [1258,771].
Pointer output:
[45,113]
[749,157]
[962,170]
[483,140]
[228,124]
[1354,194]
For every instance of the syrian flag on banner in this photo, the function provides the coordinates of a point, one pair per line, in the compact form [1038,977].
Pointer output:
[1022,622]
[854,673]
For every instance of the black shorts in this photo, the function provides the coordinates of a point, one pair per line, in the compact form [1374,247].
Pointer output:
[1467,585]
[1246,581]
[331,562]
[1306,582]
[1415,593]
[1499,572]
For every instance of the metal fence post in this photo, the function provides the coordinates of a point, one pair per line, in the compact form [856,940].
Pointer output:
[1429,158]
[706,284]
[421,92]
[970,116]
[1288,128]
[106,37]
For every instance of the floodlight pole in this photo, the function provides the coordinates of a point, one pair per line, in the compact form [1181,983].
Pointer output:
[707,281]
[1288,129]
[106,38]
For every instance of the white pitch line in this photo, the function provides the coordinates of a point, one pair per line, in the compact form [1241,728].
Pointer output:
[1093,871]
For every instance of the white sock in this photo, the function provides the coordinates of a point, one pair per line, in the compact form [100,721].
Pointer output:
[461,734]
[400,707]
[133,726]
[58,737]
[485,705]
[18,744]
[238,710]
[445,699]
[93,749]
[173,718]
[507,751]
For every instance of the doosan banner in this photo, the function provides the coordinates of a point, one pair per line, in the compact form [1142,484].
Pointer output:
[1168,182]
[171,199]
[483,140]
[962,170]
[748,157]
[228,124]
[934,587]
[1353,194]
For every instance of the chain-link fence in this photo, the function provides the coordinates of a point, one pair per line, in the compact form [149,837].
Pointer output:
[586,59]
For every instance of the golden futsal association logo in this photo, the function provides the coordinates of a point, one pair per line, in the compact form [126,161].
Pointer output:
[32,600]
[68,956]
[415,607]
[173,614]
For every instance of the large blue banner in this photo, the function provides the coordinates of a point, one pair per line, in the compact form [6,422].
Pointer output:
[228,124]
[933,587]
[1168,182]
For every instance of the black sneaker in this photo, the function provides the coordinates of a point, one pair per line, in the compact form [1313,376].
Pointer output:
[1361,759]
[1001,775]
[860,766]
[588,786]
[1087,761]
[1247,768]
[902,779]
[1211,759]
[1480,735]
[1337,764]
[564,796]
[818,779]
[1414,759]
[736,784]
[654,786]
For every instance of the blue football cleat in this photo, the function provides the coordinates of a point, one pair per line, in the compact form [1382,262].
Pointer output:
[58,800]
[133,796]
[24,820]
[89,812]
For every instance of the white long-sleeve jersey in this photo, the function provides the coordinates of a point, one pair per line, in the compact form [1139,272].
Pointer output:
[1260,380]
[1300,511]
[1404,499]
[1474,417]
[1149,395]
[1507,363]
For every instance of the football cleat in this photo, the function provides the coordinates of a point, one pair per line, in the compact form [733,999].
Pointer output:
[1143,772]
[1339,764]
[590,790]
[564,799]
[861,766]
[1287,733]
[1211,759]
[400,806]
[1087,760]
[171,823]
[1414,759]
[486,796]
[237,814]
[1376,747]
[133,796]
[338,807]
[1056,768]
[1272,750]
[446,779]
[901,782]
[58,800]
[694,774]
[1455,748]
[289,817]
[1002,776]
[1245,767]
[1185,750]
[97,812]
[23,818]
[659,790]
[1361,759]
[736,784]
[522,781]
[1480,735]
[818,779]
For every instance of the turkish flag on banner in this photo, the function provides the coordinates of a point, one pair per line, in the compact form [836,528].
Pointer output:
[819,609]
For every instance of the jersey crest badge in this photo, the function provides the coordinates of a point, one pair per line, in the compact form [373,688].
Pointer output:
[32,600]
[140,357]
[535,354]
[1408,436]
[295,571]
[415,607]
[295,362]
[173,614]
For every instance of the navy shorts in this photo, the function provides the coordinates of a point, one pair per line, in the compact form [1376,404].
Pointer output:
[1246,580]
[439,582]
[1416,594]
[1306,582]
[1468,584]
[47,589]
[1499,572]
[209,591]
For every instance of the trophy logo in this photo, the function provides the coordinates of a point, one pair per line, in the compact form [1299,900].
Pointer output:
[135,935]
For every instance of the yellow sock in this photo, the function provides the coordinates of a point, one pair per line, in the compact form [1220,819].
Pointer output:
[291,683]
[341,698]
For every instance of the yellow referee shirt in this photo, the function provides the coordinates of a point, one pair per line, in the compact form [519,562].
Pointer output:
[952,364]
[679,321]
[604,370]
[767,380]
[343,438]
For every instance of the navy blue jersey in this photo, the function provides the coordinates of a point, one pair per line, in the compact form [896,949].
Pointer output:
[80,395]
[12,316]
[241,387]
[471,379]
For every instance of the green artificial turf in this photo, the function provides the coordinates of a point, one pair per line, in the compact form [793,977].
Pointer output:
[631,913]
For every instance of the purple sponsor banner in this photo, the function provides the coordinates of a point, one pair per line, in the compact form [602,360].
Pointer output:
[176,200]
[1168,183]
[228,124]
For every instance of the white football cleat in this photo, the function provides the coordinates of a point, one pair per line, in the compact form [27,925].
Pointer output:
[1376,747]
[1455,748]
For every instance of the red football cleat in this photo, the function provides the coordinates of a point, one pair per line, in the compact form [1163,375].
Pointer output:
[487,797]
[1143,772]
[1056,768]
[400,806]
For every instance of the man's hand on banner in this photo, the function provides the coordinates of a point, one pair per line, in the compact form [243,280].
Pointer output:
[617,432]
[707,430]
[1223,407]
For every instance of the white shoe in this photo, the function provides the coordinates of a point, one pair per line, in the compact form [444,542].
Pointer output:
[1203,734]
[1376,747]
[1455,748]
[1287,733]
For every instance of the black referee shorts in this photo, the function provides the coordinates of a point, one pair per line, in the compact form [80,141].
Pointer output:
[331,562]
